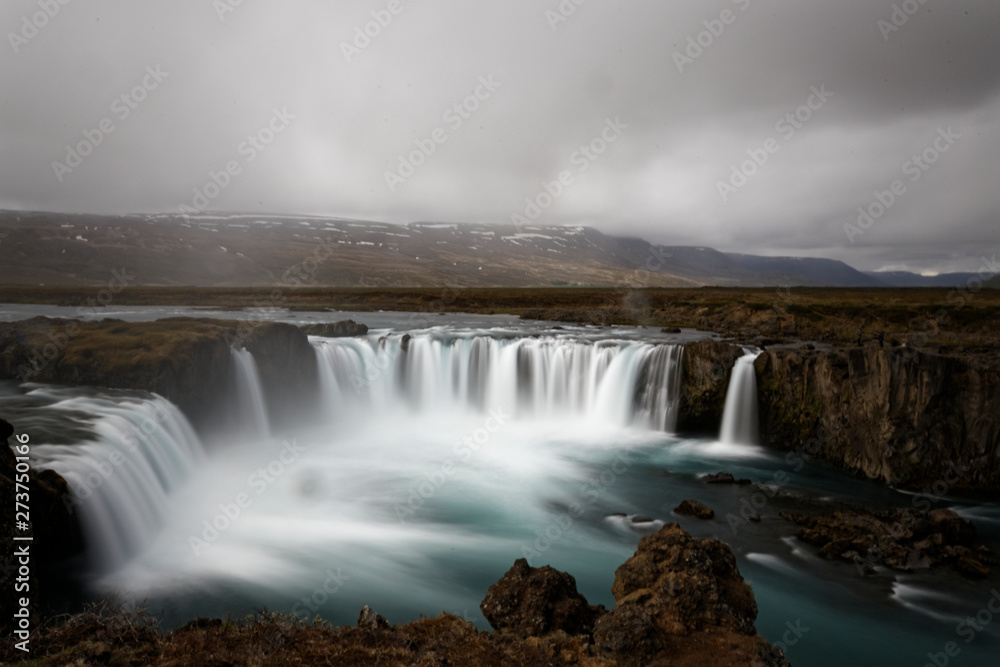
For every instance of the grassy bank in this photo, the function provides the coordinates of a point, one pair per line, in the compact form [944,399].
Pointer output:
[950,318]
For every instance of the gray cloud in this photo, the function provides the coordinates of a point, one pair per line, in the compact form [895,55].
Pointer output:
[891,93]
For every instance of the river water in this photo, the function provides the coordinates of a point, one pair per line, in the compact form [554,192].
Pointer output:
[439,459]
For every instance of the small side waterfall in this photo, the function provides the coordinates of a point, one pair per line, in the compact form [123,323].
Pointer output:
[739,419]
[617,382]
[251,410]
[119,480]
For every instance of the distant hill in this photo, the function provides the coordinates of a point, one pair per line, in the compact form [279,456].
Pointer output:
[808,270]
[255,250]
[907,279]
[259,250]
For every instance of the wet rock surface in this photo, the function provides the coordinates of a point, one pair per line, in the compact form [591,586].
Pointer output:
[904,540]
[695,509]
[341,329]
[724,478]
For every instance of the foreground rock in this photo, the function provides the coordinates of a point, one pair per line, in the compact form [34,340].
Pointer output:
[905,540]
[342,329]
[532,602]
[907,418]
[680,601]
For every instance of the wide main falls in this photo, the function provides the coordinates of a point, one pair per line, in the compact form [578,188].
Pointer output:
[618,383]
[433,461]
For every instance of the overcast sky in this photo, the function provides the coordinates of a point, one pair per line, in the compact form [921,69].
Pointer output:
[681,92]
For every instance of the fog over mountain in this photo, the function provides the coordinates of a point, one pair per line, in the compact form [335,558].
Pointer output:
[235,249]
[750,126]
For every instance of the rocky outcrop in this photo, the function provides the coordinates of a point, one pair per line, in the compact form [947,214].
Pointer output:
[705,370]
[369,619]
[287,364]
[695,509]
[725,478]
[905,540]
[680,601]
[900,416]
[532,602]
[342,329]
[677,587]
[186,360]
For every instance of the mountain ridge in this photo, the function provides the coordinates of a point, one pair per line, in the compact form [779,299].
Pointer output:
[237,249]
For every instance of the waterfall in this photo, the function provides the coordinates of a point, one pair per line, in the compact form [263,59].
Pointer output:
[739,419]
[618,382]
[119,479]
[251,408]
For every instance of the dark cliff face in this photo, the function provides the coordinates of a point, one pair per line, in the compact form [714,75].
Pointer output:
[706,367]
[899,416]
[287,364]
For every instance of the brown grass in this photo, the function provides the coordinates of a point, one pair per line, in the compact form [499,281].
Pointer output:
[823,314]
[109,633]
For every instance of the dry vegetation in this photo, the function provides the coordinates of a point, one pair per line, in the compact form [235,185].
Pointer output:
[108,633]
[955,319]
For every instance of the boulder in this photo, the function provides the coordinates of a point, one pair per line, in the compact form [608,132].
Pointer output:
[724,478]
[535,601]
[369,619]
[341,329]
[676,588]
[694,508]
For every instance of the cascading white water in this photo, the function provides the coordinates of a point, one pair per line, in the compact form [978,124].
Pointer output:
[142,450]
[617,382]
[739,419]
[252,410]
